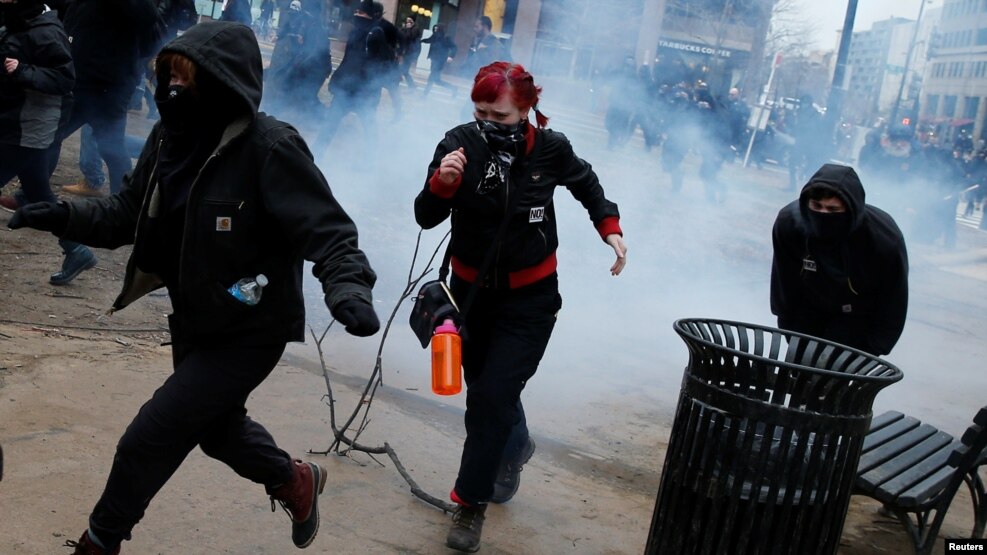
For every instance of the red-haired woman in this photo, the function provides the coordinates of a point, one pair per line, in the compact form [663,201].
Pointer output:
[482,170]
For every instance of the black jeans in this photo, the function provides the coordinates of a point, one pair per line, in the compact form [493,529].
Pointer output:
[507,332]
[106,112]
[201,403]
[30,165]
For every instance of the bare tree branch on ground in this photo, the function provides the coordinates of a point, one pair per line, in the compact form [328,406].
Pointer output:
[349,433]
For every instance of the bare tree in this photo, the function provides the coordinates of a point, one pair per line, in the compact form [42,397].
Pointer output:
[789,31]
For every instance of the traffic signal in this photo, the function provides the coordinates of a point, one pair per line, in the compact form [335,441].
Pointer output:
[906,121]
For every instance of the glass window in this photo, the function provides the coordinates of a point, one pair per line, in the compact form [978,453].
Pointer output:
[932,105]
[970,106]
[949,106]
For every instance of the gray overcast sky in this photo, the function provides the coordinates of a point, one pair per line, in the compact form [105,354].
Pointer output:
[829,15]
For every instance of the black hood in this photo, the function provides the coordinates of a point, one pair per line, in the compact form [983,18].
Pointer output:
[847,184]
[227,51]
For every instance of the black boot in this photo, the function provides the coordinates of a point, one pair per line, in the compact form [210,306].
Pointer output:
[300,499]
[467,525]
[509,477]
[86,546]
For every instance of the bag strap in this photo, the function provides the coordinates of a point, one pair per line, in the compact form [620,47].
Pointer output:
[512,204]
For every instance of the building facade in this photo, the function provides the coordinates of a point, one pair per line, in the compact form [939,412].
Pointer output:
[954,92]
[716,41]
[876,67]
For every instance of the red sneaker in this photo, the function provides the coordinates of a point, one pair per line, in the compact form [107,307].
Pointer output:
[9,204]
[86,546]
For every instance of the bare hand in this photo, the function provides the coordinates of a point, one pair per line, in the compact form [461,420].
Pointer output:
[617,242]
[10,64]
[452,166]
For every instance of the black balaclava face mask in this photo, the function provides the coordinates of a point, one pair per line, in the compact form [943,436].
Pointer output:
[180,108]
[15,16]
[502,137]
[829,226]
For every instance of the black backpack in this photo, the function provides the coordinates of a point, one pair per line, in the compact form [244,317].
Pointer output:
[377,48]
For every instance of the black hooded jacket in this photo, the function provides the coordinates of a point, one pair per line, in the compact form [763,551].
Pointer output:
[34,97]
[258,205]
[852,290]
[106,38]
[531,237]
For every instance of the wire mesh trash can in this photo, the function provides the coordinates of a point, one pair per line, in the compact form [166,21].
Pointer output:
[765,443]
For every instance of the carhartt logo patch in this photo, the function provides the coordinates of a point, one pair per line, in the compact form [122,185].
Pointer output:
[536,214]
[808,265]
[224,223]
[847,309]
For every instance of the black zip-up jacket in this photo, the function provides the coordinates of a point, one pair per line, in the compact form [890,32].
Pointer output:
[357,73]
[258,205]
[854,292]
[34,97]
[106,37]
[531,236]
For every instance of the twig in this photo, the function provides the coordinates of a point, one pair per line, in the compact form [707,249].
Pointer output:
[87,328]
[64,296]
[370,391]
[415,489]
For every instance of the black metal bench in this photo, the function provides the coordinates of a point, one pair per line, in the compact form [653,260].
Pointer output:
[913,468]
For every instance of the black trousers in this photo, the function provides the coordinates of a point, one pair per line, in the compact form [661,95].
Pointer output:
[201,403]
[507,333]
[106,112]
[30,165]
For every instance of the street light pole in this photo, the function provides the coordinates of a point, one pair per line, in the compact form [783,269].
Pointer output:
[835,104]
[908,63]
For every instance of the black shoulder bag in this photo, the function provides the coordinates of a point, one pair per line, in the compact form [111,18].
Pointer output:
[434,302]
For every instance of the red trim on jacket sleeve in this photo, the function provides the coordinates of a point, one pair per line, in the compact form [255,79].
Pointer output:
[608,226]
[442,190]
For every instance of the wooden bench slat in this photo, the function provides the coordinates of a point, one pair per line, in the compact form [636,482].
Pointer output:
[927,489]
[881,454]
[875,438]
[902,473]
[882,420]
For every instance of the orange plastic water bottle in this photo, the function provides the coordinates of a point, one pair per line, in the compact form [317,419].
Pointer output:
[447,359]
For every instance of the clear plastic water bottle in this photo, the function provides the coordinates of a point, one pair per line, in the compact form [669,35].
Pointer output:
[248,290]
[447,359]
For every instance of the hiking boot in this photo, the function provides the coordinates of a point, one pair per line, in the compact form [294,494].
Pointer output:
[467,525]
[509,477]
[77,261]
[86,546]
[300,499]
[82,189]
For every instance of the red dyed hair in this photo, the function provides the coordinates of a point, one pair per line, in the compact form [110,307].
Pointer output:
[169,62]
[494,79]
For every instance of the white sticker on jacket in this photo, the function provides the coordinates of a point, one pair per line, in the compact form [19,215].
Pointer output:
[224,223]
[536,214]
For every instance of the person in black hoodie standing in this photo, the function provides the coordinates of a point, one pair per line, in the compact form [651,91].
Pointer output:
[840,268]
[220,192]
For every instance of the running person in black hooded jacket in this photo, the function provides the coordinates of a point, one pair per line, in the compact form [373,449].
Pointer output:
[219,193]
[840,269]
